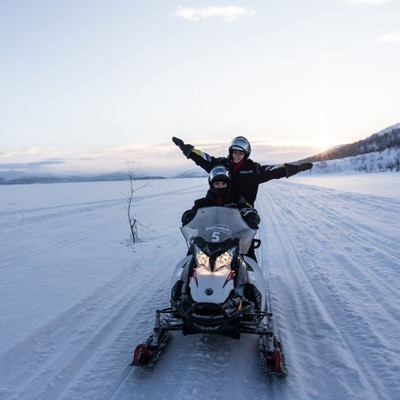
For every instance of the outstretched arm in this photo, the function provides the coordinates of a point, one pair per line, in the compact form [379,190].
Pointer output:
[202,159]
[186,148]
[268,172]
[293,169]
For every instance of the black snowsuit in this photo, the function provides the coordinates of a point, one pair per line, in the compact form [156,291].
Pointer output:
[247,175]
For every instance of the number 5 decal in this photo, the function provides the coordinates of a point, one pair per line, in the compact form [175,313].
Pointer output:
[215,237]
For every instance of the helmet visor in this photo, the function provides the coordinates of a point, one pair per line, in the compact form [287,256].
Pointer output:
[241,144]
[219,173]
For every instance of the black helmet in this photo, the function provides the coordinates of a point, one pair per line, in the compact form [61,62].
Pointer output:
[219,174]
[242,144]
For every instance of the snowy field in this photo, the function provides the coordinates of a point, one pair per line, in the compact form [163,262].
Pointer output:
[76,296]
[378,184]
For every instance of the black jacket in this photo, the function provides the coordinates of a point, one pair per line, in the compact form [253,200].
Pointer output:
[232,200]
[247,178]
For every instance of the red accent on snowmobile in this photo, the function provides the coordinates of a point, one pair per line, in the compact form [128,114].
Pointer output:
[141,355]
[278,361]
[194,276]
[275,361]
[229,278]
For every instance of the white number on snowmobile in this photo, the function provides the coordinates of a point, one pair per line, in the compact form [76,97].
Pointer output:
[215,237]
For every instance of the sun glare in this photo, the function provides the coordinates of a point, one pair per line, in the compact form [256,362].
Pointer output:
[323,143]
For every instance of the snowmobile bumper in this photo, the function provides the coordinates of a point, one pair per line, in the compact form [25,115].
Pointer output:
[211,318]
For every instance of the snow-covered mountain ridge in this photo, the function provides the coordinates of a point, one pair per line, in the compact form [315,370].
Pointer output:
[377,153]
[387,160]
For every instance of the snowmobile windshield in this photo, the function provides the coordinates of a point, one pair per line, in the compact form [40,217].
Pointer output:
[218,224]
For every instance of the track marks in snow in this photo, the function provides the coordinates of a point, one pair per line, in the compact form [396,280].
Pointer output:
[331,259]
[52,358]
[52,362]
[328,289]
[45,234]
[100,330]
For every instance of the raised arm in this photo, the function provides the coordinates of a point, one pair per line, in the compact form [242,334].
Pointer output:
[293,169]
[200,158]
[268,172]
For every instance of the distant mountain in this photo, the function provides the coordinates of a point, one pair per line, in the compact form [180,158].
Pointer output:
[20,178]
[386,139]
[193,173]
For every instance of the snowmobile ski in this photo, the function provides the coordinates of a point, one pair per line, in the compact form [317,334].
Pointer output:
[272,360]
[146,354]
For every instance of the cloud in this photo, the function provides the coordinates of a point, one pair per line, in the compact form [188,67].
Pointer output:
[31,165]
[365,2]
[227,13]
[155,159]
[393,37]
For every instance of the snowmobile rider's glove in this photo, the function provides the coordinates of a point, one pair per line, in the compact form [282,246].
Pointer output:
[251,217]
[186,148]
[293,169]
[187,216]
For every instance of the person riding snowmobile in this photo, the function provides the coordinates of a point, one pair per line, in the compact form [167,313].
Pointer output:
[246,174]
[221,194]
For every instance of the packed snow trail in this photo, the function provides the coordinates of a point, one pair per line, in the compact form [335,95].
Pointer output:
[333,263]
[76,297]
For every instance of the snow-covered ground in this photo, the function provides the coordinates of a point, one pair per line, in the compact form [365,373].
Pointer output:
[378,184]
[76,296]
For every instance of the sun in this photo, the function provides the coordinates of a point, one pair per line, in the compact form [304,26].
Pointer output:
[322,143]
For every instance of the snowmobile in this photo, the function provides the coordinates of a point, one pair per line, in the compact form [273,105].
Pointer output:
[216,289]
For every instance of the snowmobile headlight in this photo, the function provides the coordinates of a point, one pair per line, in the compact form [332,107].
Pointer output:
[202,259]
[214,264]
[224,260]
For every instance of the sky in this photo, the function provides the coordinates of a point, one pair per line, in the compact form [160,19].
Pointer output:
[89,86]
